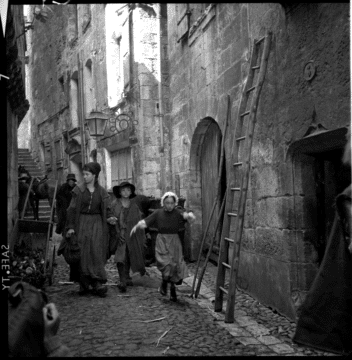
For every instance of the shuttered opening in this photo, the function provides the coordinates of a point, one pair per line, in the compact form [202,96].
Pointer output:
[121,166]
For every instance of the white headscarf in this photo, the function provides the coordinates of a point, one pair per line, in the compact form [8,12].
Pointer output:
[167,194]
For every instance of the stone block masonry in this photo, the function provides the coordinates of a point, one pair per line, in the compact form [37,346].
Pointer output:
[213,62]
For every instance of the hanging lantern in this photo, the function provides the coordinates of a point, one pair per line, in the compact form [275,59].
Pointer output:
[96,122]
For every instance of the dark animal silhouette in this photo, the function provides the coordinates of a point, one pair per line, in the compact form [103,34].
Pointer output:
[42,189]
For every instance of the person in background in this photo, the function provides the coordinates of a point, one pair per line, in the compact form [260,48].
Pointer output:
[128,250]
[87,217]
[169,221]
[63,199]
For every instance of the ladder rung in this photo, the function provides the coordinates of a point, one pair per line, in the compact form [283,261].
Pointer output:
[240,138]
[226,265]
[224,290]
[237,164]
[229,240]
[245,113]
[231,214]
[250,89]
[236,189]
[260,40]
[255,67]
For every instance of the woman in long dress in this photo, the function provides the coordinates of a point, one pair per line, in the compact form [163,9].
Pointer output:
[169,220]
[128,250]
[87,217]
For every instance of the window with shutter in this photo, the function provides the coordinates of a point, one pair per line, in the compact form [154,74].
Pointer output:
[58,153]
[182,16]
[121,166]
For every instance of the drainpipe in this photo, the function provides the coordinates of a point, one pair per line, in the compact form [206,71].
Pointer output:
[160,104]
[81,110]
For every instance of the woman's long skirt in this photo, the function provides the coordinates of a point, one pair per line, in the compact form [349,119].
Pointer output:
[93,248]
[169,257]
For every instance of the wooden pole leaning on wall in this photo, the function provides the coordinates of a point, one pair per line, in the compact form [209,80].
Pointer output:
[81,109]
[199,283]
[27,197]
[216,200]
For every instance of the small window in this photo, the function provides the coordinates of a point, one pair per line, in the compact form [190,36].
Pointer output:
[61,81]
[74,100]
[47,157]
[58,151]
[121,166]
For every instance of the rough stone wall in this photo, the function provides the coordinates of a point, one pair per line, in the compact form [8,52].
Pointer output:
[52,63]
[12,172]
[277,263]
[16,105]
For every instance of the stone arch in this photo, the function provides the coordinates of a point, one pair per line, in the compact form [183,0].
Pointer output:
[195,188]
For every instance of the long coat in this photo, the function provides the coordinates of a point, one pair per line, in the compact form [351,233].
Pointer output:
[63,199]
[121,237]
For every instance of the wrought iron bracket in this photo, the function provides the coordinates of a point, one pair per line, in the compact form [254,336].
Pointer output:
[121,122]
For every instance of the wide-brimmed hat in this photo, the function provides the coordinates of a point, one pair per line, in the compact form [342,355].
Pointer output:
[116,189]
[23,176]
[71,177]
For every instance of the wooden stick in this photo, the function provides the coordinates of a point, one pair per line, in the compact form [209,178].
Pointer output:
[164,352]
[149,321]
[164,334]
[50,227]
[202,244]
[210,248]
[27,197]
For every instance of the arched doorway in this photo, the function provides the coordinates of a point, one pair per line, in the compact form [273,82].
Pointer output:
[204,162]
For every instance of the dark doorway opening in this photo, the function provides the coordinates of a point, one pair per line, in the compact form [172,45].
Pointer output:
[331,178]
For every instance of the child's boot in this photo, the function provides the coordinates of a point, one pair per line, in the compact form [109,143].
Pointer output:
[163,288]
[173,296]
[122,275]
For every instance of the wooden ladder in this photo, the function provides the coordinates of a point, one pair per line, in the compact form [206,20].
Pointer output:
[237,184]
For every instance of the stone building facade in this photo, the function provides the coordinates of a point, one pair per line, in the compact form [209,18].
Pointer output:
[163,75]
[302,121]
[65,49]
[16,104]
[118,73]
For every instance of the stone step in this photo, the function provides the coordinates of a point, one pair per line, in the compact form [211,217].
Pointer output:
[37,172]
[31,168]
[27,165]
[23,151]
[25,158]
[30,161]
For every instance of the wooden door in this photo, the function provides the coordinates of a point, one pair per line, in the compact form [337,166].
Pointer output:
[210,158]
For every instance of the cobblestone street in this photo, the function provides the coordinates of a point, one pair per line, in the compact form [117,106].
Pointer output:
[131,324]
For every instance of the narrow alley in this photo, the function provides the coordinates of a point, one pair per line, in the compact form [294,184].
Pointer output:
[182,144]
[133,324]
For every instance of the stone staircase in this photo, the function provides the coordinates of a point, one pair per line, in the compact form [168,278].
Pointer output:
[25,159]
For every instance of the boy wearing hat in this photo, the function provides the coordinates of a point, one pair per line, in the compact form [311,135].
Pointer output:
[128,250]
[63,199]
